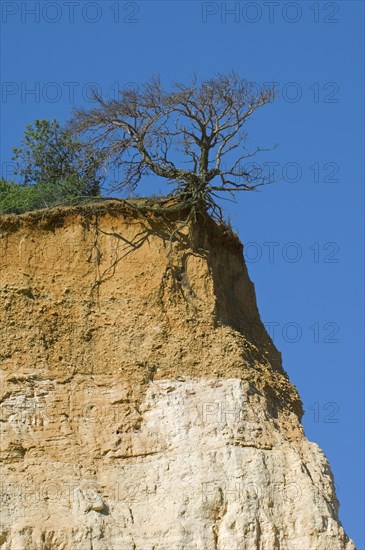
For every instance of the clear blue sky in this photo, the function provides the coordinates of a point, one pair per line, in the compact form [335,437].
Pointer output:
[309,274]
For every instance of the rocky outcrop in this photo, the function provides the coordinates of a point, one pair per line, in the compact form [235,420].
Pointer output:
[143,404]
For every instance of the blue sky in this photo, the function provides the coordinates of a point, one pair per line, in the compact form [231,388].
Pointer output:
[304,235]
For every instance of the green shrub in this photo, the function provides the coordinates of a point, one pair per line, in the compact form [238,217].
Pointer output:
[15,198]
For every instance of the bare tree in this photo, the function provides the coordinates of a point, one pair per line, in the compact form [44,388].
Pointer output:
[186,136]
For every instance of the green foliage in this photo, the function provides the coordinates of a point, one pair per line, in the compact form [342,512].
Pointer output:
[15,198]
[54,169]
[49,155]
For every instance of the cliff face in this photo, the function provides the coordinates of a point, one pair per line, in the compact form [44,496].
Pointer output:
[143,404]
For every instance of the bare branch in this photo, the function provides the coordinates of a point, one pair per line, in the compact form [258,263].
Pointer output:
[150,131]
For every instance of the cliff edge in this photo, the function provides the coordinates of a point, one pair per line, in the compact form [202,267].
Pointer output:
[144,406]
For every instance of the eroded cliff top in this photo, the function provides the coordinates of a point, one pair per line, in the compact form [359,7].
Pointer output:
[103,289]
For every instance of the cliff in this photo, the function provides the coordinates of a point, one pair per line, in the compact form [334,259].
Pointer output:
[144,406]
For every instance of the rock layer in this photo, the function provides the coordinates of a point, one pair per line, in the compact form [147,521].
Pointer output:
[143,405]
